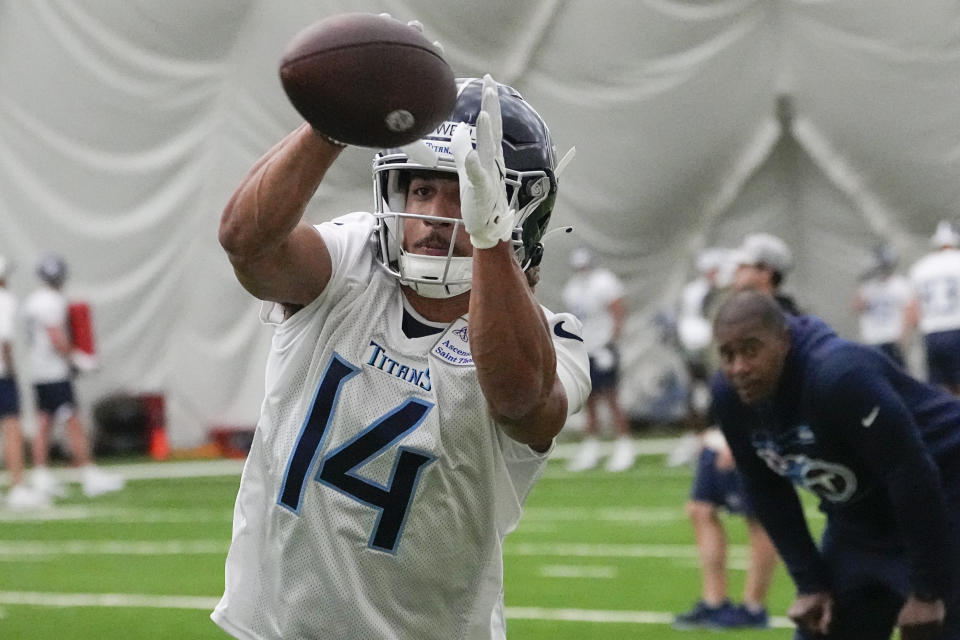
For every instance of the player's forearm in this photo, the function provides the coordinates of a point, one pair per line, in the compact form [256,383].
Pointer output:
[270,201]
[777,507]
[6,354]
[509,338]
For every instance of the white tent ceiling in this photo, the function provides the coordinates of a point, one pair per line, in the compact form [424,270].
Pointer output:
[125,124]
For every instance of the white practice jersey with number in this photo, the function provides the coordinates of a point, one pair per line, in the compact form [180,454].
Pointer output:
[588,295]
[936,282]
[378,490]
[45,309]
[884,315]
[8,313]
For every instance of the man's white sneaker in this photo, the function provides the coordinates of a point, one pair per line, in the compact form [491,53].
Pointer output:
[43,481]
[586,457]
[23,498]
[97,482]
[623,456]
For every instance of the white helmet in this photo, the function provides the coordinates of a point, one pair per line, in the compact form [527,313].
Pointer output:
[764,249]
[944,236]
[711,259]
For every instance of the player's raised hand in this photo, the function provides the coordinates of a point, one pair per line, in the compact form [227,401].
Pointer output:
[921,620]
[483,197]
[812,612]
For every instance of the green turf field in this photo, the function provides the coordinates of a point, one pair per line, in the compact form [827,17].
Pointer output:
[597,555]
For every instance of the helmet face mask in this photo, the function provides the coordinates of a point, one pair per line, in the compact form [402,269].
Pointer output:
[531,189]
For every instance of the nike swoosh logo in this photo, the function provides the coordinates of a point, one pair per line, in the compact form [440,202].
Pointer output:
[870,417]
[563,333]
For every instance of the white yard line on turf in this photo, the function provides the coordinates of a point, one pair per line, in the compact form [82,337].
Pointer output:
[229,467]
[151,601]
[15,548]
[19,549]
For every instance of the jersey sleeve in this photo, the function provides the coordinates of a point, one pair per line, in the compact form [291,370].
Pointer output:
[573,366]
[8,311]
[347,239]
[863,406]
[773,498]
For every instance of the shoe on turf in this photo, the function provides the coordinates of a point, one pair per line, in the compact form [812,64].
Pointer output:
[740,617]
[24,498]
[43,481]
[97,482]
[586,457]
[623,456]
[701,616]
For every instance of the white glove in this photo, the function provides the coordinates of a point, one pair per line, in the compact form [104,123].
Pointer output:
[483,196]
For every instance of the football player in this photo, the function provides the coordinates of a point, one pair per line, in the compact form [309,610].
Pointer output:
[53,362]
[414,386]
[21,494]
[936,284]
[884,306]
[800,406]
[596,296]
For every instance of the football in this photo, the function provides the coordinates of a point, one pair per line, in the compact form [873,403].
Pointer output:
[367,80]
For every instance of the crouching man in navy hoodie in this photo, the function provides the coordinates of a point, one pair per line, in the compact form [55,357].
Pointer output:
[881,450]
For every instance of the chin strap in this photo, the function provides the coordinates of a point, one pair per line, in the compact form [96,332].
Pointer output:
[436,276]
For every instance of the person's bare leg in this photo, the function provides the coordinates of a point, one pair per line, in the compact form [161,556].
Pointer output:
[588,454]
[762,564]
[77,438]
[593,417]
[711,539]
[13,448]
[620,422]
[41,440]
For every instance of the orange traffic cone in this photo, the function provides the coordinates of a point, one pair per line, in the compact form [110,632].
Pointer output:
[159,447]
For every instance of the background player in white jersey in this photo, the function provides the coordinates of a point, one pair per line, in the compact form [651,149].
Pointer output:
[21,495]
[595,295]
[884,306]
[694,332]
[414,386]
[936,283]
[51,359]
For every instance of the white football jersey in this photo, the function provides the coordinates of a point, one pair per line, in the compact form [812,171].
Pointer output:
[378,490]
[588,296]
[936,282]
[8,312]
[45,308]
[885,303]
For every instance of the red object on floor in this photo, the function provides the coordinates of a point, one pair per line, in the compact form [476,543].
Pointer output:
[232,441]
[159,448]
[157,445]
[80,324]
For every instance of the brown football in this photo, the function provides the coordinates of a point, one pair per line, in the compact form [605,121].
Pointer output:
[367,80]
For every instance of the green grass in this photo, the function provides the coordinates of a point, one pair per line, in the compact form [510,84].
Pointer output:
[589,544]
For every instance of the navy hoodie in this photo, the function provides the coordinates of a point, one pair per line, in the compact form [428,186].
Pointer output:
[877,447]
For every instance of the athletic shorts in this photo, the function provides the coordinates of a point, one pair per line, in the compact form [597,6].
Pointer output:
[723,489]
[9,398]
[943,356]
[605,378]
[53,396]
